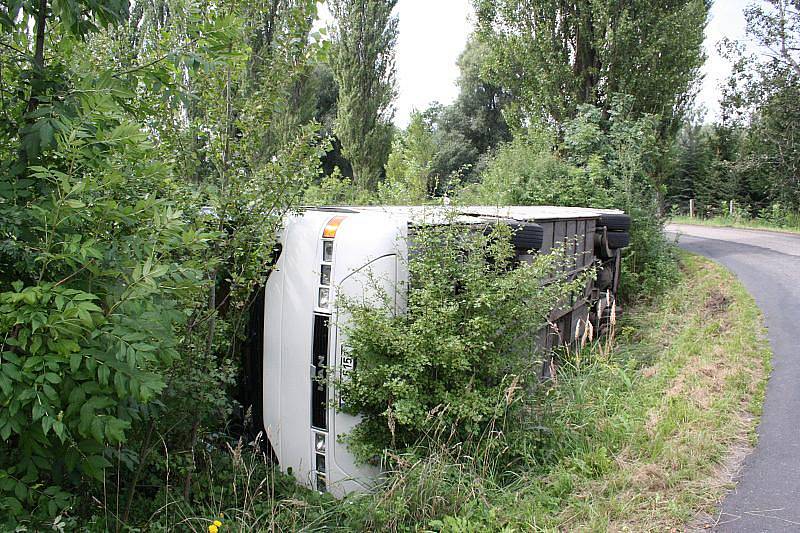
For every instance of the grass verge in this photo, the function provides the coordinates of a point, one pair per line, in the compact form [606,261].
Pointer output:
[735,222]
[640,435]
[672,415]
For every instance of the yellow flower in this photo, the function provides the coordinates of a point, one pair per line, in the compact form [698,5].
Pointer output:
[213,528]
[217,523]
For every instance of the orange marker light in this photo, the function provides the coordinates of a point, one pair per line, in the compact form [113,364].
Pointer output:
[330,228]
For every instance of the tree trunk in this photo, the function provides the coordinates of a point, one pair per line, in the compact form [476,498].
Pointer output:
[38,57]
[587,61]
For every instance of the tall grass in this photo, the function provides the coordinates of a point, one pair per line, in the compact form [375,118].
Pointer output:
[633,432]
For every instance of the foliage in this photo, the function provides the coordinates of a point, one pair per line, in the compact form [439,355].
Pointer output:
[761,100]
[601,162]
[92,320]
[776,218]
[148,151]
[473,124]
[455,352]
[321,85]
[629,426]
[363,63]
[139,200]
[751,155]
[554,56]
[704,169]
[409,168]
[88,296]
[249,157]
[527,171]
[629,435]
[337,190]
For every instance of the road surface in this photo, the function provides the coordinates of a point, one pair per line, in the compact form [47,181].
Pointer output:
[767,493]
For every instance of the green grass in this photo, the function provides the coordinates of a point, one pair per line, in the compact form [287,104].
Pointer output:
[638,434]
[793,226]
[673,411]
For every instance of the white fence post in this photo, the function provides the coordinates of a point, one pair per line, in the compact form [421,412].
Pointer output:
[730,209]
[691,208]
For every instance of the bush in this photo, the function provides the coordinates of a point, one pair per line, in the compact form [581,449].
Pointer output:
[464,343]
[336,190]
[601,162]
[91,319]
[527,171]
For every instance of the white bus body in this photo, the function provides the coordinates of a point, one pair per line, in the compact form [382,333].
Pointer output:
[329,253]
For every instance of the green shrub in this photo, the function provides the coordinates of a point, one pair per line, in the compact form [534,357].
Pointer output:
[90,320]
[526,172]
[601,162]
[336,190]
[464,342]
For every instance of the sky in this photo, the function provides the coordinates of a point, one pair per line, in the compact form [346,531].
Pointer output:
[726,20]
[432,34]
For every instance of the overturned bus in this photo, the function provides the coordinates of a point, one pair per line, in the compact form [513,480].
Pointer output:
[330,253]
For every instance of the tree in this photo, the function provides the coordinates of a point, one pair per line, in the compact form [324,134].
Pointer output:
[775,24]
[472,125]
[702,169]
[28,28]
[763,98]
[237,118]
[89,241]
[364,65]
[553,55]
[324,91]
[410,165]
[598,162]
[121,300]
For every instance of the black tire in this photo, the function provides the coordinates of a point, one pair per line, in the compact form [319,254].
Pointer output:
[615,222]
[526,236]
[618,239]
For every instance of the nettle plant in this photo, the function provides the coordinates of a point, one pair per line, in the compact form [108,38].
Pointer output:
[463,353]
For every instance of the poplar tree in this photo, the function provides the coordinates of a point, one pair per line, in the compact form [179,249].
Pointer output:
[555,55]
[364,65]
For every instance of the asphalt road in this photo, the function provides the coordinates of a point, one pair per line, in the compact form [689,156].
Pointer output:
[767,493]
